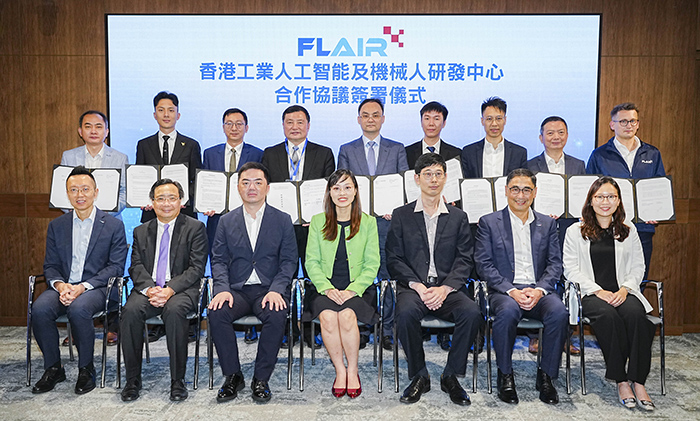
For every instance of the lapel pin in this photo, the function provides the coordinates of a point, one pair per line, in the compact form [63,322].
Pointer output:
[182,143]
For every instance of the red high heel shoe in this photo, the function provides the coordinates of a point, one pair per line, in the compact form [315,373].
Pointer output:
[353,393]
[339,392]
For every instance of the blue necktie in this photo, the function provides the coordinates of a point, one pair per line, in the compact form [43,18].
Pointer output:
[371,160]
[431,149]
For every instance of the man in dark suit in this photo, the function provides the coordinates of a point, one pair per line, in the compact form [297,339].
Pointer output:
[429,252]
[517,253]
[84,248]
[374,154]
[492,156]
[167,262]
[433,117]
[253,262]
[169,147]
[298,159]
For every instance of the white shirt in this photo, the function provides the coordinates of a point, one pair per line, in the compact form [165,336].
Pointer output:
[302,154]
[252,226]
[627,155]
[431,229]
[171,143]
[227,156]
[436,146]
[80,240]
[493,159]
[96,161]
[376,141]
[159,236]
[553,166]
[522,249]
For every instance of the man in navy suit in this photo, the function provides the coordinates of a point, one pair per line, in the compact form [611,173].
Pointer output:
[626,156]
[492,156]
[429,252]
[169,147]
[253,262]
[93,128]
[84,248]
[374,154]
[433,118]
[517,253]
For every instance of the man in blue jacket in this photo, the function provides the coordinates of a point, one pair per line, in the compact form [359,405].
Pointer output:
[626,156]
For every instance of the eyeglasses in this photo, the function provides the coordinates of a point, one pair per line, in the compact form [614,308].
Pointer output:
[499,119]
[624,123]
[430,175]
[367,116]
[239,125]
[515,190]
[169,199]
[83,190]
[605,198]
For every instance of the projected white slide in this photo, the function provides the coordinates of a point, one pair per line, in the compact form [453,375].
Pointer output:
[541,65]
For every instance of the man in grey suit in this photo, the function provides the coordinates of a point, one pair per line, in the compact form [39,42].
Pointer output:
[373,154]
[93,128]
[167,261]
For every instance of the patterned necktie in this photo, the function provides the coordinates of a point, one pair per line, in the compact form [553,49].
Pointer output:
[371,160]
[166,151]
[293,172]
[163,256]
[431,149]
[233,162]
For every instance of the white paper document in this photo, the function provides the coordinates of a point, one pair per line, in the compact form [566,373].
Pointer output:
[58,197]
[627,190]
[311,193]
[210,191]
[283,196]
[454,174]
[477,198]
[234,198]
[178,172]
[578,189]
[388,193]
[550,194]
[410,186]
[499,192]
[363,185]
[139,179]
[655,199]
[107,180]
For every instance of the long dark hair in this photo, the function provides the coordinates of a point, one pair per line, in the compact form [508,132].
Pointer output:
[330,229]
[590,229]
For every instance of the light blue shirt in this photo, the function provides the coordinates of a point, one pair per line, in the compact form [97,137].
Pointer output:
[376,141]
[82,231]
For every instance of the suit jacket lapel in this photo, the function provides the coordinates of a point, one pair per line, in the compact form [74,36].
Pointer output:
[309,160]
[418,218]
[542,163]
[535,241]
[480,158]
[507,236]
[239,226]
[382,158]
[174,241]
[506,155]
[243,158]
[151,238]
[359,151]
[67,249]
[155,149]
[178,149]
[97,226]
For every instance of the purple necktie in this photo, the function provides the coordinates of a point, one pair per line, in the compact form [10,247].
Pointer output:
[371,160]
[163,257]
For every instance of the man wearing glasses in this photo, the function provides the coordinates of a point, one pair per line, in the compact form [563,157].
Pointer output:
[517,253]
[625,156]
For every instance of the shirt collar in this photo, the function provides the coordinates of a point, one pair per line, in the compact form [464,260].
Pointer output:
[376,141]
[442,208]
[89,218]
[425,145]
[550,160]
[515,219]
[238,148]
[171,224]
[623,149]
[291,146]
[101,153]
[488,147]
[258,214]
[173,135]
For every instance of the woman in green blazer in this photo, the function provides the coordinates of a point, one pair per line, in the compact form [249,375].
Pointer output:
[342,260]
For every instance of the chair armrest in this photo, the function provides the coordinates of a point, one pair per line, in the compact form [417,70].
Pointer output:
[481,297]
[572,301]
[659,286]
[203,284]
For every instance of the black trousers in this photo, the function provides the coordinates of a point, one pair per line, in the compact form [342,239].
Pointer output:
[174,315]
[457,308]
[625,336]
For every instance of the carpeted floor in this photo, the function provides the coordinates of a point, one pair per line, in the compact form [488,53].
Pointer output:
[317,403]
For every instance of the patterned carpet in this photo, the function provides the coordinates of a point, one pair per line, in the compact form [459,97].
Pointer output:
[316,401]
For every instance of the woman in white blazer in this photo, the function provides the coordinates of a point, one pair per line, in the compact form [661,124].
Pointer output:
[604,256]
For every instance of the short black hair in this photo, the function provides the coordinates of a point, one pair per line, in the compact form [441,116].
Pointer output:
[81,170]
[368,100]
[434,106]
[428,160]
[95,112]
[166,95]
[162,182]
[234,111]
[551,119]
[625,106]
[252,165]
[495,102]
[522,172]
[294,109]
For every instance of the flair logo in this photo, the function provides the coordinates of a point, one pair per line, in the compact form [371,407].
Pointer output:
[362,47]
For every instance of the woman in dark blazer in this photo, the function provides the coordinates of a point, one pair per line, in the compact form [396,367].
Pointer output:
[342,260]
[604,256]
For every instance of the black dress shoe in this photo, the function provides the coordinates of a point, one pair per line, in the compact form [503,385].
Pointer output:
[131,389]
[251,336]
[232,385]
[364,340]
[48,381]
[443,339]
[506,388]
[418,386]
[86,380]
[178,391]
[451,386]
[155,333]
[548,394]
[387,343]
[285,342]
[261,391]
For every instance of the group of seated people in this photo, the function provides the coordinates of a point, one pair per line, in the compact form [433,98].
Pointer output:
[427,246]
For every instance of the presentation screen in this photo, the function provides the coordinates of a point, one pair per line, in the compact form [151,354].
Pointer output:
[541,65]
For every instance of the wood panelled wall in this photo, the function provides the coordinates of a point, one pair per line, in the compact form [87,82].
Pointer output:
[52,56]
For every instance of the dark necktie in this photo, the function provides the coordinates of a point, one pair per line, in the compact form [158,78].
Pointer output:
[431,149]
[166,151]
